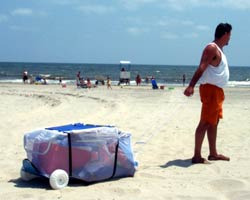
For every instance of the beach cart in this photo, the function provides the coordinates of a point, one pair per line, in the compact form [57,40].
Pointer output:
[90,153]
[125,72]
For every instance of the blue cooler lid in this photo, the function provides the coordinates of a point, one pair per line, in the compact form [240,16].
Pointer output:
[76,126]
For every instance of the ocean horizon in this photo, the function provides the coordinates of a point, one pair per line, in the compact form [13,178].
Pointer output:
[11,72]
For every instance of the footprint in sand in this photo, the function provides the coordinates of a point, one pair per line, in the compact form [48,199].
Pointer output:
[123,191]
[227,185]
[149,175]
[239,195]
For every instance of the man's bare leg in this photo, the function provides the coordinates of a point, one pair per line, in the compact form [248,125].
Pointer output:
[199,137]
[212,136]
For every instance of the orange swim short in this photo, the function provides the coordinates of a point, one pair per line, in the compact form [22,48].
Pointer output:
[212,98]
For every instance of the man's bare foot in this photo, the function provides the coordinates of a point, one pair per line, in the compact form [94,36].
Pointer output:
[218,157]
[199,160]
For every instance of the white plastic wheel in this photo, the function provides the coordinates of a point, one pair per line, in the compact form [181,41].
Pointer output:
[26,176]
[58,179]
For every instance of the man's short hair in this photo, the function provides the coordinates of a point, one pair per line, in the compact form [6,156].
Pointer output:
[221,29]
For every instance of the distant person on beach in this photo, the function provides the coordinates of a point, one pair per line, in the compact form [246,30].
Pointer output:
[88,83]
[31,79]
[138,80]
[213,74]
[183,79]
[154,84]
[25,76]
[78,75]
[44,81]
[78,78]
[109,83]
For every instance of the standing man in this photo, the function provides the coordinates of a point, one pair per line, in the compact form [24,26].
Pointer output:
[213,74]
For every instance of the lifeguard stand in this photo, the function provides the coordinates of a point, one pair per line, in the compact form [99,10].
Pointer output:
[125,72]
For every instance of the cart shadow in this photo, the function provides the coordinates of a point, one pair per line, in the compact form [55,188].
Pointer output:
[178,162]
[37,183]
[80,183]
[43,183]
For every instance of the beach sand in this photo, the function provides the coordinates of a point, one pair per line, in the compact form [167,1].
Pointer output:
[162,123]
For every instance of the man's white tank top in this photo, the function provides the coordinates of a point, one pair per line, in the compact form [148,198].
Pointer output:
[219,75]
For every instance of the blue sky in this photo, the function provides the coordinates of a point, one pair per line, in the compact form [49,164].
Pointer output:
[142,31]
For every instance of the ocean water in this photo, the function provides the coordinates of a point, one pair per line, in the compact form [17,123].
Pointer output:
[11,72]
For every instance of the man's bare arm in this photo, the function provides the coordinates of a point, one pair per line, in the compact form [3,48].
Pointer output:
[207,56]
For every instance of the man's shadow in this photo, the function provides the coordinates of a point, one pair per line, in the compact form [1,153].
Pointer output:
[178,162]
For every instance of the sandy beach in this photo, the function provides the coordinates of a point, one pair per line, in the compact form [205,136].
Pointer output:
[162,123]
